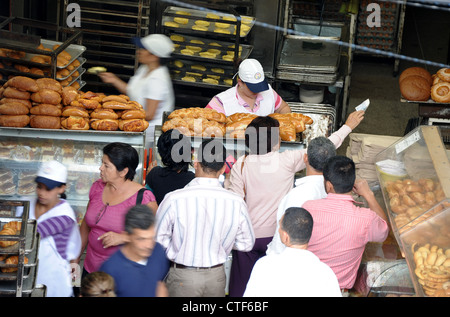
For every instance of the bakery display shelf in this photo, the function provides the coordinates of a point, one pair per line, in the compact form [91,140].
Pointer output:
[78,69]
[27,234]
[213,24]
[429,101]
[414,176]
[27,286]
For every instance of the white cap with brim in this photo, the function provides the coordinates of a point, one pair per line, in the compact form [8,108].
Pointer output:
[157,44]
[52,174]
[252,74]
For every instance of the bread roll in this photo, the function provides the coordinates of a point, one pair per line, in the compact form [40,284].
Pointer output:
[115,98]
[18,121]
[46,110]
[133,125]
[133,114]
[416,71]
[89,103]
[45,122]
[69,94]
[75,123]
[104,124]
[46,96]
[11,92]
[49,83]
[415,88]
[74,111]
[117,105]
[13,108]
[441,92]
[23,83]
[101,113]
[22,101]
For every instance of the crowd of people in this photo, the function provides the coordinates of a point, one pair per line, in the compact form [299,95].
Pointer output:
[173,235]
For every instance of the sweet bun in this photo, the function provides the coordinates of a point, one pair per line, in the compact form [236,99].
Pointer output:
[46,96]
[69,94]
[133,114]
[44,109]
[133,125]
[89,103]
[22,101]
[45,122]
[13,108]
[120,98]
[18,121]
[11,92]
[117,105]
[415,88]
[441,92]
[74,111]
[444,74]
[23,83]
[101,113]
[75,123]
[104,124]
[49,83]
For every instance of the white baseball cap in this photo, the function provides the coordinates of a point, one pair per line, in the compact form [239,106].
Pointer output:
[157,44]
[52,174]
[252,74]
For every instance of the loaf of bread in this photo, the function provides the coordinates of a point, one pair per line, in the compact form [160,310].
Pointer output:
[49,83]
[18,121]
[132,114]
[416,71]
[101,113]
[47,96]
[45,109]
[117,105]
[11,92]
[196,112]
[22,101]
[69,94]
[133,125]
[104,124]
[118,98]
[45,122]
[13,108]
[23,83]
[415,88]
[74,111]
[89,103]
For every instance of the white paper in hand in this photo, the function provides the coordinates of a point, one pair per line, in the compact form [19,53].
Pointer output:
[363,106]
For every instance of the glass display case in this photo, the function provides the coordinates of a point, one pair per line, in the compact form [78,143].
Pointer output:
[414,175]
[24,149]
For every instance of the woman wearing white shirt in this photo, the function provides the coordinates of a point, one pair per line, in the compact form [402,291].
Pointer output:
[151,85]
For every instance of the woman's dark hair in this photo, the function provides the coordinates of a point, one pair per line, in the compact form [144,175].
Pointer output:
[340,172]
[298,224]
[262,134]
[123,155]
[211,155]
[139,217]
[174,148]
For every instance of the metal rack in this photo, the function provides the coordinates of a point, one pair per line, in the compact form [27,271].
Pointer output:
[27,43]
[108,29]
[23,281]
[199,93]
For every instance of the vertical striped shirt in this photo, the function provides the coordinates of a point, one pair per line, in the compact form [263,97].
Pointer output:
[201,223]
[340,233]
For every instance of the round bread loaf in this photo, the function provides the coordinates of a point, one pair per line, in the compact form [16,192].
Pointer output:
[415,88]
[416,71]
[45,122]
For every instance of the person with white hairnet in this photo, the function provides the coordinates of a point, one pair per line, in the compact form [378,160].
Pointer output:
[151,85]
[252,93]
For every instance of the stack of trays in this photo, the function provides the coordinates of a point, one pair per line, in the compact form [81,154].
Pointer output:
[309,60]
[23,280]
[324,117]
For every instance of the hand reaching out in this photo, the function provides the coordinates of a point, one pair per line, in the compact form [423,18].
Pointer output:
[355,118]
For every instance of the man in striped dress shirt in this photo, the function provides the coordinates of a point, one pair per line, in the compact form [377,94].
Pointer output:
[200,224]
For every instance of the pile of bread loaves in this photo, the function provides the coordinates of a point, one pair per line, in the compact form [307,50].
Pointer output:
[44,104]
[417,84]
[204,122]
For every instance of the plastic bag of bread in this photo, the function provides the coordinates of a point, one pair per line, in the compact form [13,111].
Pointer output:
[18,121]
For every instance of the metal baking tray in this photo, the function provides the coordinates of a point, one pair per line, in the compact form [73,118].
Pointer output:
[295,56]
[28,284]
[324,29]
[192,15]
[224,48]
[28,233]
[82,60]
[307,77]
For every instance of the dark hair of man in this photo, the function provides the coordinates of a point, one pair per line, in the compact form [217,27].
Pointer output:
[174,148]
[211,155]
[261,135]
[320,149]
[298,224]
[139,217]
[123,155]
[340,172]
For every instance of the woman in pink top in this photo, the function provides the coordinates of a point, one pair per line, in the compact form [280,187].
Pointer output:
[263,178]
[110,198]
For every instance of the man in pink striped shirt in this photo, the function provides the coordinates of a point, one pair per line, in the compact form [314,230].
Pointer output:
[342,229]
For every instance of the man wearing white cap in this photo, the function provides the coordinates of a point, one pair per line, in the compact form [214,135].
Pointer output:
[252,94]
[60,240]
[151,85]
